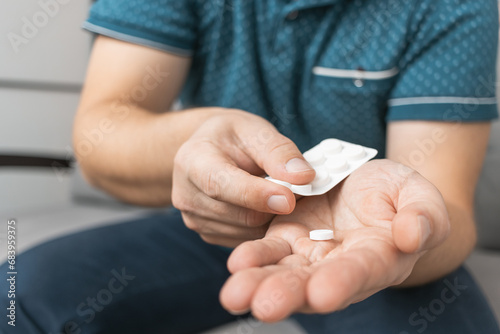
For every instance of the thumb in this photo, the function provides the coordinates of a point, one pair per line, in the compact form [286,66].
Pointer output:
[279,157]
[420,226]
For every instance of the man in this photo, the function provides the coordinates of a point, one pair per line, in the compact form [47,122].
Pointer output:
[259,82]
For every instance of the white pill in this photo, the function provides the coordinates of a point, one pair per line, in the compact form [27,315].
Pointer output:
[336,165]
[333,160]
[314,157]
[354,152]
[322,178]
[306,188]
[331,146]
[282,183]
[321,235]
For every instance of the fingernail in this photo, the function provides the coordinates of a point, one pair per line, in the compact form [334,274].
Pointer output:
[278,203]
[425,230]
[297,165]
[239,312]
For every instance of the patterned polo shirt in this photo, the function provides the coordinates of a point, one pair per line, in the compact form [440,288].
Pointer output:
[324,68]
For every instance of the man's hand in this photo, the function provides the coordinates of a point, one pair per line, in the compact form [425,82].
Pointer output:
[385,217]
[217,181]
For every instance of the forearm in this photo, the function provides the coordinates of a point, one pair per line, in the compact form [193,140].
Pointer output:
[452,165]
[450,254]
[130,154]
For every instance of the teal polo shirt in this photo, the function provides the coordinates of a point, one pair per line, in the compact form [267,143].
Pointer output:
[324,68]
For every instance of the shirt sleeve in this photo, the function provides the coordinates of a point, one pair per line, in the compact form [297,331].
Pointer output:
[448,71]
[168,25]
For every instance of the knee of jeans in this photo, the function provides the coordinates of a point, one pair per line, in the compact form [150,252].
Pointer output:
[42,298]
[19,299]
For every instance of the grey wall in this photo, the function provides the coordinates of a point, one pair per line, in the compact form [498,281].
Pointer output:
[43,56]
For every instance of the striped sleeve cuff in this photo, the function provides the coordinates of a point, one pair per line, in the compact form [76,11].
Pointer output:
[443,108]
[134,37]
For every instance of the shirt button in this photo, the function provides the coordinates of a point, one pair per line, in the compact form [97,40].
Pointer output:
[292,15]
[359,83]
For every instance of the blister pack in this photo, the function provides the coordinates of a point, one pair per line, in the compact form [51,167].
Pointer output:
[333,160]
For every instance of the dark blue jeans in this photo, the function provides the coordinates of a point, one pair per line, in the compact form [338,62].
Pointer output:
[153,275]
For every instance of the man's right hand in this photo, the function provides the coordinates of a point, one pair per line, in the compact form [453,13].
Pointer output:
[217,181]
[126,144]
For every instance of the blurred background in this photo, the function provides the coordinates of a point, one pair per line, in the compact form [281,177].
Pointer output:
[43,56]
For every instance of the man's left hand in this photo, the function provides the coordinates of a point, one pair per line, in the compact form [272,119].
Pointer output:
[385,216]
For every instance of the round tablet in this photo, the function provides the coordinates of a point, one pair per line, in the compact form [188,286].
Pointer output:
[354,152]
[314,157]
[331,146]
[321,235]
[322,178]
[337,165]
[305,189]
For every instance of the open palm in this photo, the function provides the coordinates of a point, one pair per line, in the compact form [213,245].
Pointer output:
[384,217]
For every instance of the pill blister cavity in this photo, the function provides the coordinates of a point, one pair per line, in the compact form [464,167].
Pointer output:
[282,183]
[314,157]
[333,160]
[354,152]
[331,146]
[337,165]
[306,188]
[322,179]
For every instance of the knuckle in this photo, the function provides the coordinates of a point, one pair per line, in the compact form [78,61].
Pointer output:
[281,144]
[210,186]
[252,196]
[181,157]
[209,239]
[253,218]
[177,200]
[181,202]
[212,181]
[215,181]
[246,216]
[188,222]
[245,193]
[221,209]
[178,159]
[191,223]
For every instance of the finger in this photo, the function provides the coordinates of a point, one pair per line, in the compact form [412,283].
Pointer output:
[237,293]
[280,294]
[258,253]
[334,282]
[277,155]
[419,226]
[215,228]
[212,172]
[210,209]
[222,240]
[339,281]
[221,180]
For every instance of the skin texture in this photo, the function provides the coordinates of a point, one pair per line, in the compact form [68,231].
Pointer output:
[217,182]
[207,162]
[212,180]
[378,216]
[378,222]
